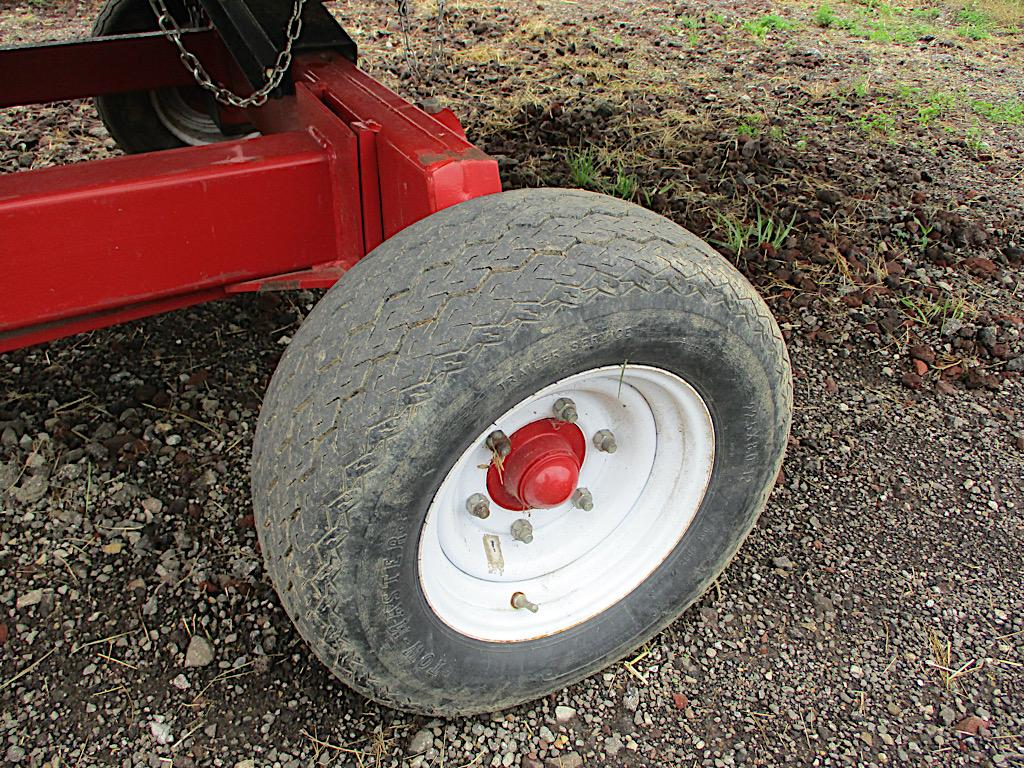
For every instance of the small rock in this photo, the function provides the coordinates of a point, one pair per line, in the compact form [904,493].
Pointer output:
[199,653]
[161,732]
[631,699]
[33,597]
[912,380]
[568,760]
[613,745]
[784,563]
[828,196]
[180,682]
[564,714]
[152,505]
[32,489]
[247,763]
[922,353]
[421,741]
[972,725]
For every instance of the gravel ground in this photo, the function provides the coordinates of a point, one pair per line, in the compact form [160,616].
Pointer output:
[874,616]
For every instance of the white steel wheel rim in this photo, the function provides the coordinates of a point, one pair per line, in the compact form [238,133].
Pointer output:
[189,125]
[580,563]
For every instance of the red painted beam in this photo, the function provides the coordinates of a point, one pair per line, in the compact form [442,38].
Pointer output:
[86,239]
[344,164]
[37,74]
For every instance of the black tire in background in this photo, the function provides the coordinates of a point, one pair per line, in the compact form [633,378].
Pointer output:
[134,119]
[414,353]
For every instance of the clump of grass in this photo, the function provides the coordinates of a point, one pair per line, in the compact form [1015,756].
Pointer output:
[736,234]
[759,28]
[624,185]
[749,125]
[881,122]
[763,231]
[935,105]
[938,312]
[583,168]
[974,141]
[974,24]
[880,22]
[1010,111]
[824,16]
[484,53]
[586,172]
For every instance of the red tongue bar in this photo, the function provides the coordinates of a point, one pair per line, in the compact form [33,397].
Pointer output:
[542,469]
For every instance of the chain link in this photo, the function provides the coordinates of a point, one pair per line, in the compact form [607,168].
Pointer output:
[437,46]
[173,32]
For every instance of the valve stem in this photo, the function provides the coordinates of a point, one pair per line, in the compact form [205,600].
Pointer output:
[519,601]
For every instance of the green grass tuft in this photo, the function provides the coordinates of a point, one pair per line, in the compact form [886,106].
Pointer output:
[583,168]
[1010,111]
[759,28]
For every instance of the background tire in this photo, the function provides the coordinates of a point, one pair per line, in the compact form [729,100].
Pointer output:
[415,353]
[146,121]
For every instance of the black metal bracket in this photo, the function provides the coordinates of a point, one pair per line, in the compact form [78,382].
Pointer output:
[254,32]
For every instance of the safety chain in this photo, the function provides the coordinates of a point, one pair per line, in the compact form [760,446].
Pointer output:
[437,46]
[275,74]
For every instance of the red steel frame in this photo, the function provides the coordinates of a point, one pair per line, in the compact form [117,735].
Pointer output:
[338,167]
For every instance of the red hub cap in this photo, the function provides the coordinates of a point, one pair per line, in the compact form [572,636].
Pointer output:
[542,469]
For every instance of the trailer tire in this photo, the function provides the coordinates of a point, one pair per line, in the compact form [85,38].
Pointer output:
[423,347]
[146,121]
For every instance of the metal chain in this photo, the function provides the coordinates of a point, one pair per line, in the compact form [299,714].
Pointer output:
[172,31]
[437,46]
[410,56]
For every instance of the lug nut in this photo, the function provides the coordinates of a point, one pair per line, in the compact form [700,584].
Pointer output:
[565,410]
[519,601]
[605,441]
[478,506]
[581,498]
[522,530]
[498,443]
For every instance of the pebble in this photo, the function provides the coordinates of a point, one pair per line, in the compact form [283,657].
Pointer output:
[161,732]
[564,714]
[421,741]
[199,653]
[30,598]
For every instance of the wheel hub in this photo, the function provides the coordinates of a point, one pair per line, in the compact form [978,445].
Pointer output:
[542,469]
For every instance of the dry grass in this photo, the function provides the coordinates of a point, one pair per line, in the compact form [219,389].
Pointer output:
[484,53]
[1008,12]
